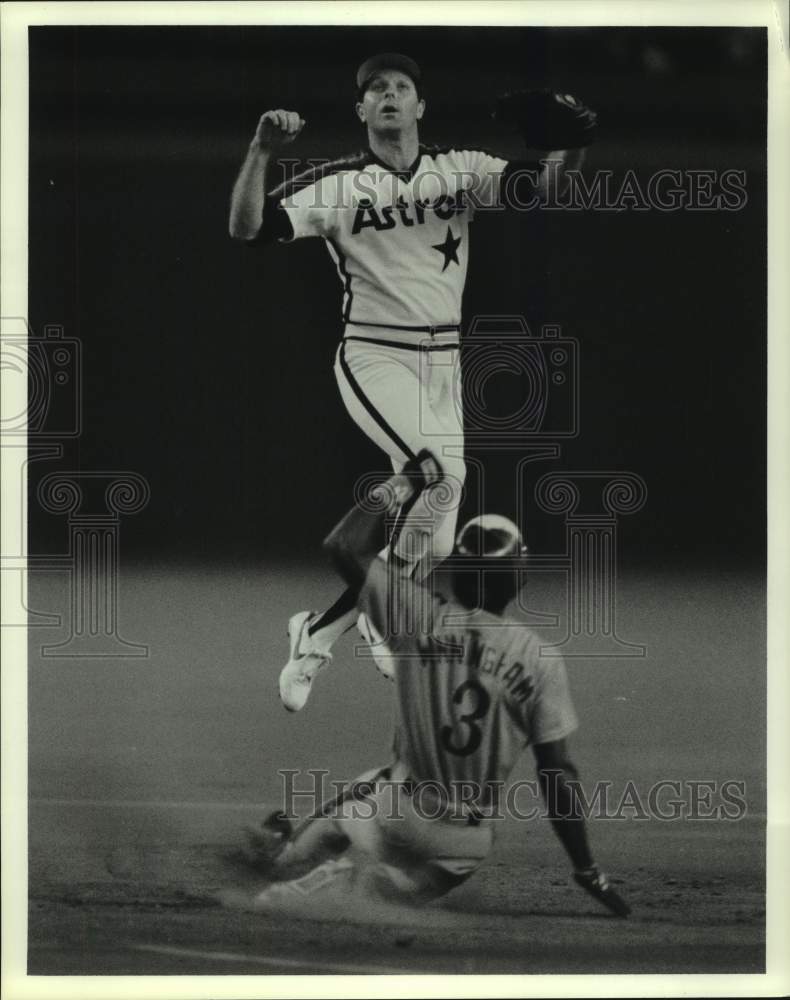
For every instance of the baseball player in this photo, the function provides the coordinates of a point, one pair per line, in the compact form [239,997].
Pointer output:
[472,690]
[395,219]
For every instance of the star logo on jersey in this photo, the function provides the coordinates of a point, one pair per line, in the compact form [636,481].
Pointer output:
[449,248]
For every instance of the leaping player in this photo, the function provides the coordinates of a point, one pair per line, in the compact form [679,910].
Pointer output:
[395,218]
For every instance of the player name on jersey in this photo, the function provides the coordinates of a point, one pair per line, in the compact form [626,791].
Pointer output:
[486,658]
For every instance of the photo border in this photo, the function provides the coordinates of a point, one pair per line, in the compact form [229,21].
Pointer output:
[15,19]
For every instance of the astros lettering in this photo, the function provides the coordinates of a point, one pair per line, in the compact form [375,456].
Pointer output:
[388,216]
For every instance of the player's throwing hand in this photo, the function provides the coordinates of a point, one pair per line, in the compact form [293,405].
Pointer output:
[278,128]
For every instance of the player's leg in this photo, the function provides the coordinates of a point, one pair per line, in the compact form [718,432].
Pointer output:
[380,389]
[377,838]
[314,858]
[434,845]
[347,845]
[441,432]
[418,400]
[409,855]
[403,404]
[424,536]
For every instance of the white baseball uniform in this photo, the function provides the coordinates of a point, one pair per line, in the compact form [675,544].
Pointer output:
[472,691]
[472,688]
[400,242]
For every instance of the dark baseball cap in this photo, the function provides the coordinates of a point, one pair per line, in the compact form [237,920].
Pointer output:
[387,60]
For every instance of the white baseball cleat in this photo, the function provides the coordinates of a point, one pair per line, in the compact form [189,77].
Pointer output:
[382,657]
[296,677]
[298,889]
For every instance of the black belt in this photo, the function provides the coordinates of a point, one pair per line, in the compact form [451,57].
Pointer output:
[430,346]
[439,328]
[405,347]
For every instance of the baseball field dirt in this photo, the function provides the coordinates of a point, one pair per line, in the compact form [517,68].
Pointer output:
[143,771]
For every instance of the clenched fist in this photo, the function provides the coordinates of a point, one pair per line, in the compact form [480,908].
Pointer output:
[277,128]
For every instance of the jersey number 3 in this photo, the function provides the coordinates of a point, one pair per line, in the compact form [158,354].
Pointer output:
[465,736]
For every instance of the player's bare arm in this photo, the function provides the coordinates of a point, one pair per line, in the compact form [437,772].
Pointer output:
[275,129]
[555,772]
[553,176]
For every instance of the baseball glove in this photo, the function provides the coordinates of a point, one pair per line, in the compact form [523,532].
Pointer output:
[546,119]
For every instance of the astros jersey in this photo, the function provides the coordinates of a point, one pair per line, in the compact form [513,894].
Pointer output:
[472,689]
[400,240]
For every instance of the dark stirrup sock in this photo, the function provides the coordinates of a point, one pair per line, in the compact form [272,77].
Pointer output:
[345,603]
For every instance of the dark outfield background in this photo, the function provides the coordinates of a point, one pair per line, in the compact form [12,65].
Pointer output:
[207,369]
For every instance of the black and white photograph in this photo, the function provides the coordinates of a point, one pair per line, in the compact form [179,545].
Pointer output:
[388,588]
